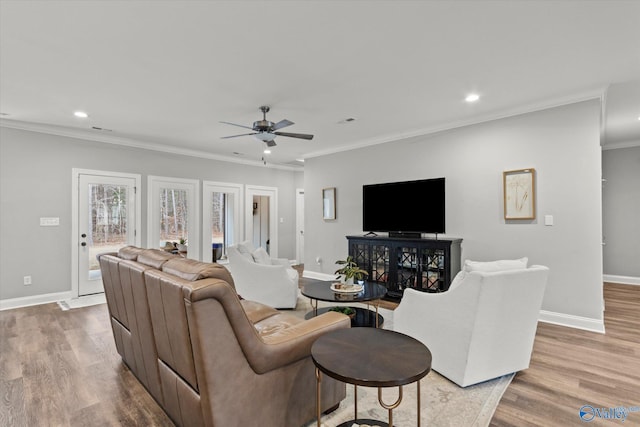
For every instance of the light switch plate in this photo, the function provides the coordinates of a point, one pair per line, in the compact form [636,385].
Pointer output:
[548,220]
[49,222]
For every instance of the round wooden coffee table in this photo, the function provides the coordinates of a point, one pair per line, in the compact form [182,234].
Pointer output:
[372,292]
[370,357]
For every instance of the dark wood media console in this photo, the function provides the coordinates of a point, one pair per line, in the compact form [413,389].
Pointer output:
[398,263]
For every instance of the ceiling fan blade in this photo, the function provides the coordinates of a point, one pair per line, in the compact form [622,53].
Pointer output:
[271,143]
[235,136]
[234,124]
[282,124]
[295,135]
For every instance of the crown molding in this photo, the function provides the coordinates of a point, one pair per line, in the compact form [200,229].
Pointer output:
[623,144]
[597,93]
[129,142]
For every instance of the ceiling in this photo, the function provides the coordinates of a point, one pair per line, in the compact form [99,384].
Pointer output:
[164,74]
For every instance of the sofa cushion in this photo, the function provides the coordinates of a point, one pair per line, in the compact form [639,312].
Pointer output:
[129,253]
[499,265]
[256,311]
[192,270]
[261,256]
[154,257]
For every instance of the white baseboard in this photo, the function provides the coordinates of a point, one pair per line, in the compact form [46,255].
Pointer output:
[571,321]
[318,276]
[8,304]
[624,280]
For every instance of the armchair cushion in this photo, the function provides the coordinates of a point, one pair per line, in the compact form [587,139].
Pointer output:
[245,247]
[261,256]
[499,265]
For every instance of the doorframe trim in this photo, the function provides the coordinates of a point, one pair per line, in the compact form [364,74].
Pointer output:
[299,224]
[221,187]
[260,190]
[75,194]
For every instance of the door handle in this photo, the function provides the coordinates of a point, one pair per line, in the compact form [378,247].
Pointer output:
[83,235]
[83,244]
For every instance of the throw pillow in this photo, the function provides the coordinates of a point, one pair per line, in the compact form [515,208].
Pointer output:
[500,265]
[245,247]
[260,256]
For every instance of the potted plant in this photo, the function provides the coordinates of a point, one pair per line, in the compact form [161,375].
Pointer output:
[344,310]
[182,245]
[349,271]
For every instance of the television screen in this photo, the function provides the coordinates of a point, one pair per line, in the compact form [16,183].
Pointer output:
[409,206]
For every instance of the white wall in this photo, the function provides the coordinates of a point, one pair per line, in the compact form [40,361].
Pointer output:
[562,144]
[621,214]
[35,181]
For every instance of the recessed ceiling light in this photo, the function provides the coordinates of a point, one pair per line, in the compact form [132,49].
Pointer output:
[347,120]
[81,114]
[472,97]
[300,160]
[267,151]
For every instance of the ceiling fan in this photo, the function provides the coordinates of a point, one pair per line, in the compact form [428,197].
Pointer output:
[266,130]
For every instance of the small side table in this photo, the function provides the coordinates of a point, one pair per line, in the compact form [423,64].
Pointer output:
[370,357]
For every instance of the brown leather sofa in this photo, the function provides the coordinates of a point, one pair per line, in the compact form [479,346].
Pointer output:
[206,356]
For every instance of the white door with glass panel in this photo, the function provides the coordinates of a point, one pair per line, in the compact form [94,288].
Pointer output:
[106,221]
[221,219]
[172,215]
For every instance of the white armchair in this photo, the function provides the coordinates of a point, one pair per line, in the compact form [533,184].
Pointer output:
[483,327]
[257,277]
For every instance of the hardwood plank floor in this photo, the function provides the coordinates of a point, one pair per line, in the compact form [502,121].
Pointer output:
[61,368]
[571,368]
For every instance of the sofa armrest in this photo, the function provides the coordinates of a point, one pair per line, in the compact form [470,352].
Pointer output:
[263,354]
[280,261]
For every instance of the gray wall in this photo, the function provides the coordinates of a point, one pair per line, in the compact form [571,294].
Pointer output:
[562,144]
[35,181]
[621,211]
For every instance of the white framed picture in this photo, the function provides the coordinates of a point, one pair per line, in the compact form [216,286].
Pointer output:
[519,194]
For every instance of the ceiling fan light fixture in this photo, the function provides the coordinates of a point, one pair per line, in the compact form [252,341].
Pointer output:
[265,136]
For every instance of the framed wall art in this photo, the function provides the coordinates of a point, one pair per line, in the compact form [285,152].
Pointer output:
[519,194]
[329,203]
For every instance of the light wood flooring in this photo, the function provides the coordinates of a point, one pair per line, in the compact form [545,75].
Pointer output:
[60,368]
[571,368]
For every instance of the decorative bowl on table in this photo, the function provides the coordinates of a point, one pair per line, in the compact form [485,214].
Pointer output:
[344,288]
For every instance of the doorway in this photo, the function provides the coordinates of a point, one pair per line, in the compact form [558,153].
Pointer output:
[106,217]
[269,228]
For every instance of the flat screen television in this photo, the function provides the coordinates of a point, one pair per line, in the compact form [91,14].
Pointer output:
[408,207]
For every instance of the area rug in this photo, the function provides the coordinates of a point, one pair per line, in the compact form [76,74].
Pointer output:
[443,403]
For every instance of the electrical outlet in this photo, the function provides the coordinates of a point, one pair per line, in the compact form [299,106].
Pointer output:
[27,280]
